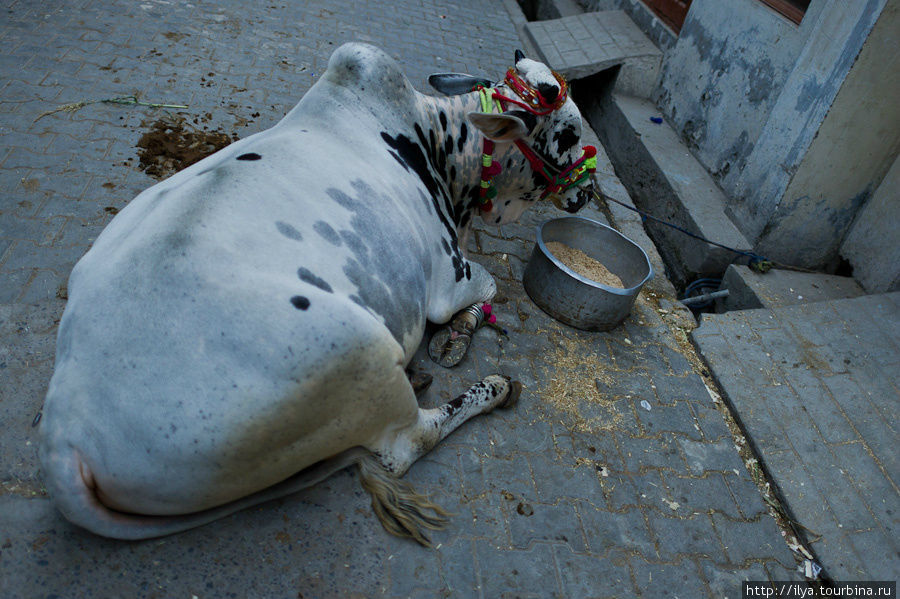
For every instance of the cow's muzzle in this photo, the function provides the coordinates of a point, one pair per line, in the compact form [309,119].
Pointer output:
[570,204]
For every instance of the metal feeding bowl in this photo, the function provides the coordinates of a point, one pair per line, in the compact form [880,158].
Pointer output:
[575,299]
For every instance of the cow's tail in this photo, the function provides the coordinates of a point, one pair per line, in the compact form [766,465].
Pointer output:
[401,510]
[73,488]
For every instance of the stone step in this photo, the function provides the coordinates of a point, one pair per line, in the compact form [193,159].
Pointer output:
[815,389]
[666,181]
[578,46]
[748,290]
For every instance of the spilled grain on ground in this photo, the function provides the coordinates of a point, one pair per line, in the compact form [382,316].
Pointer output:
[570,372]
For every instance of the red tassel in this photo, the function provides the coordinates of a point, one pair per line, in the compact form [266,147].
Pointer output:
[490,171]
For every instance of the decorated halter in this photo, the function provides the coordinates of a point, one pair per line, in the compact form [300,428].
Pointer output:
[532,101]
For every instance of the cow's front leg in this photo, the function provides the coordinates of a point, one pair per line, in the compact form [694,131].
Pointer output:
[449,344]
[458,302]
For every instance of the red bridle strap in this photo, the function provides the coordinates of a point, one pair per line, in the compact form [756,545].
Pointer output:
[533,101]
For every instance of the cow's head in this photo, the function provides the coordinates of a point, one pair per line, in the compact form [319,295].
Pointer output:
[532,109]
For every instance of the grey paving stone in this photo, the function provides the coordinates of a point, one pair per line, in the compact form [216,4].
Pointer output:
[682,537]
[556,480]
[624,531]
[728,583]
[719,456]
[758,540]
[705,494]
[747,495]
[652,452]
[676,419]
[620,491]
[517,573]
[410,573]
[820,352]
[531,522]
[711,421]
[678,364]
[601,449]
[808,507]
[535,437]
[826,413]
[879,564]
[591,576]
[513,476]
[458,571]
[483,517]
[770,421]
[666,580]
[652,491]
[839,490]
[877,428]
[672,389]
[873,485]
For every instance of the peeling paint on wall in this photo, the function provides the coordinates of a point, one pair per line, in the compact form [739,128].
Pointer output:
[722,79]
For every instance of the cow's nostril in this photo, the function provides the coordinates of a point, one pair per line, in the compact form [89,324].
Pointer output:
[549,92]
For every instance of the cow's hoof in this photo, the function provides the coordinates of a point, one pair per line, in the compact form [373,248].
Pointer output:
[448,347]
[419,380]
[515,390]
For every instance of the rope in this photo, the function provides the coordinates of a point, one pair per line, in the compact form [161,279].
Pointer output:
[758,263]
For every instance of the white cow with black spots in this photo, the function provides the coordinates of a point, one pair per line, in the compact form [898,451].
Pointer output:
[240,330]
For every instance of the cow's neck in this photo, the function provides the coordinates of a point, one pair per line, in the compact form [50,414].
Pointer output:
[455,155]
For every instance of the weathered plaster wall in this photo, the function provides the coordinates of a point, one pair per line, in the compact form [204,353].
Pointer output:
[748,91]
[723,77]
[836,35]
[852,151]
[873,244]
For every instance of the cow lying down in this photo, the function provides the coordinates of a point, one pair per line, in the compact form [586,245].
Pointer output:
[241,330]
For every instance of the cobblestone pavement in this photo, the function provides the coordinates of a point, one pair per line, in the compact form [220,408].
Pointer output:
[579,491]
[816,386]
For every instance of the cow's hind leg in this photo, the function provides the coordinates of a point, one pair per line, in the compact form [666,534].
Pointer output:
[402,511]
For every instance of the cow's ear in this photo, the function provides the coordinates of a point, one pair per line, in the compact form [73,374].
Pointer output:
[454,84]
[529,119]
[499,127]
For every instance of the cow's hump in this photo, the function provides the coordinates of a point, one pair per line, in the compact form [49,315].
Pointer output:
[368,70]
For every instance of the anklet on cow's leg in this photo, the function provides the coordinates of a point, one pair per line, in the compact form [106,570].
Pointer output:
[448,346]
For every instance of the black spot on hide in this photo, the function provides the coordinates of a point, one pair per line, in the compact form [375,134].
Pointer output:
[249,156]
[428,160]
[300,302]
[548,91]
[565,139]
[386,276]
[288,231]
[456,403]
[327,233]
[308,277]
[463,135]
